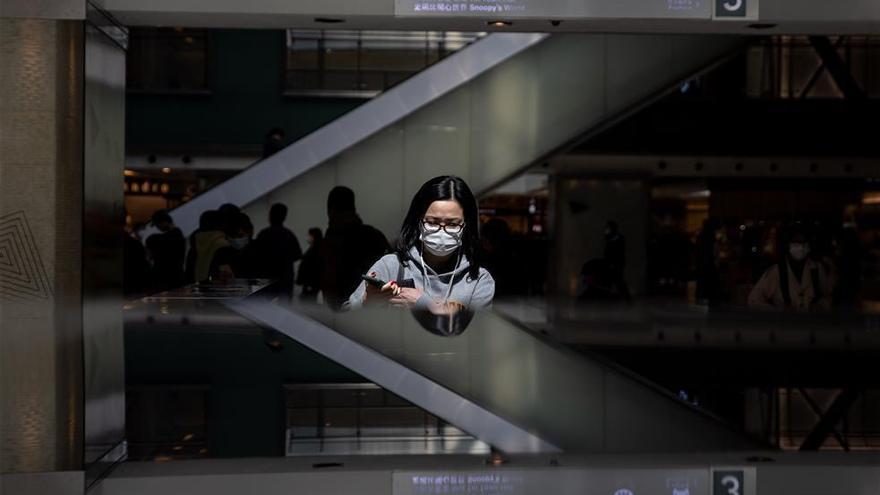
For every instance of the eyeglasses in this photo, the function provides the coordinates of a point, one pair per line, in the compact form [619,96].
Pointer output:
[432,225]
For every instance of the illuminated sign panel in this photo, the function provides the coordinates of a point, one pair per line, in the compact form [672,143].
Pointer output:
[559,9]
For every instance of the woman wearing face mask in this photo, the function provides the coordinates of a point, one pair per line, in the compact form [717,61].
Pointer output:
[434,264]
[797,282]
[240,259]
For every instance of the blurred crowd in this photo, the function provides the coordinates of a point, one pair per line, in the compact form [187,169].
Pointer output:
[225,248]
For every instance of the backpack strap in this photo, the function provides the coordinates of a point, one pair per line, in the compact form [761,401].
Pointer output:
[783,282]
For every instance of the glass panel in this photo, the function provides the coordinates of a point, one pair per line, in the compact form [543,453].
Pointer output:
[303,423]
[340,422]
[340,54]
[162,59]
[368,61]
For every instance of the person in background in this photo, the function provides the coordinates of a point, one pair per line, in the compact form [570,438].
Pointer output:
[796,283]
[615,256]
[435,265]
[309,276]
[280,249]
[274,142]
[209,238]
[708,278]
[497,254]
[190,263]
[348,249]
[850,255]
[241,258]
[228,214]
[135,269]
[166,250]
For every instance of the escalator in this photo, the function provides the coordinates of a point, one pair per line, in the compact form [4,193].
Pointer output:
[484,113]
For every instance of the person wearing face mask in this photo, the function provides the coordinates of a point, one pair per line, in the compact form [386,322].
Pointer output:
[240,259]
[434,266]
[796,283]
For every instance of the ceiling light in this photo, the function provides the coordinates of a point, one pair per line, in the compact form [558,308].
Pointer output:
[499,23]
[166,170]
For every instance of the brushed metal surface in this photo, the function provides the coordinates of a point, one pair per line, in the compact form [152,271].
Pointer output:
[41,183]
[104,158]
[49,483]
[44,9]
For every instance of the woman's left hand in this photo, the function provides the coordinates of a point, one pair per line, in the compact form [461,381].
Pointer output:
[405,296]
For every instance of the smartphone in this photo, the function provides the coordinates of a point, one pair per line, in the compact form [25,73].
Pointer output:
[375,282]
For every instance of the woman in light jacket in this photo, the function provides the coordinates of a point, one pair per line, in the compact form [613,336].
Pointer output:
[434,266]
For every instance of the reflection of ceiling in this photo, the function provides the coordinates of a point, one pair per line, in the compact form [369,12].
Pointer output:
[790,16]
[525,184]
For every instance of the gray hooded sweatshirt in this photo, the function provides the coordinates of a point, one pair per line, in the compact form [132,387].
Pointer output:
[472,293]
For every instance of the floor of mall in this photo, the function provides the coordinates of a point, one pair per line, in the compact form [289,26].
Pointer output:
[429,248]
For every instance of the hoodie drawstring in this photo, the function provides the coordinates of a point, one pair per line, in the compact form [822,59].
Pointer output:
[425,276]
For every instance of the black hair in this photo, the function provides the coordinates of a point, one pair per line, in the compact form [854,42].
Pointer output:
[210,220]
[443,188]
[238,222]
[161,216]
[340,199]
[796,229]
[228,209]
[277,214]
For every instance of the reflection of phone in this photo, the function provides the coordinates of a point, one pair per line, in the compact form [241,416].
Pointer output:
[375,282]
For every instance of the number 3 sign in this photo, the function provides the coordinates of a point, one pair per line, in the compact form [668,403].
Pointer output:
[730,8]
[728,483]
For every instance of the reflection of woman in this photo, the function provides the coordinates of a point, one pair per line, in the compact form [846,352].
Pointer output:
[448,324]
[434,265]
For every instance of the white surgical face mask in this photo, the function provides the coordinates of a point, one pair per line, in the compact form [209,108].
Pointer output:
[239,242]
[798,250]
[440,243]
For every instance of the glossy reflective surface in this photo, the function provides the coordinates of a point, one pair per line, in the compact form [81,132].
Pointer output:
[103,347]
[494,380]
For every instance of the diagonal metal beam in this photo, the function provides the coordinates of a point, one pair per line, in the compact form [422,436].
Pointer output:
[814,78]
[395,377]
[818,411]
[391,106]
[833,415]
[837,68]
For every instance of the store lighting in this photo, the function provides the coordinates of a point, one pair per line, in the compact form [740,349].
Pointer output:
[871,198]
[129,173]
[499,24]
[166,170]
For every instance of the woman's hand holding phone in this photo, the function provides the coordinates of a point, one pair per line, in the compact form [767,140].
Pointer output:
[375,293]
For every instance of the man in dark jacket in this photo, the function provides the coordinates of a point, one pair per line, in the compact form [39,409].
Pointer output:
[166,250]
[280,249]
[349,248]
